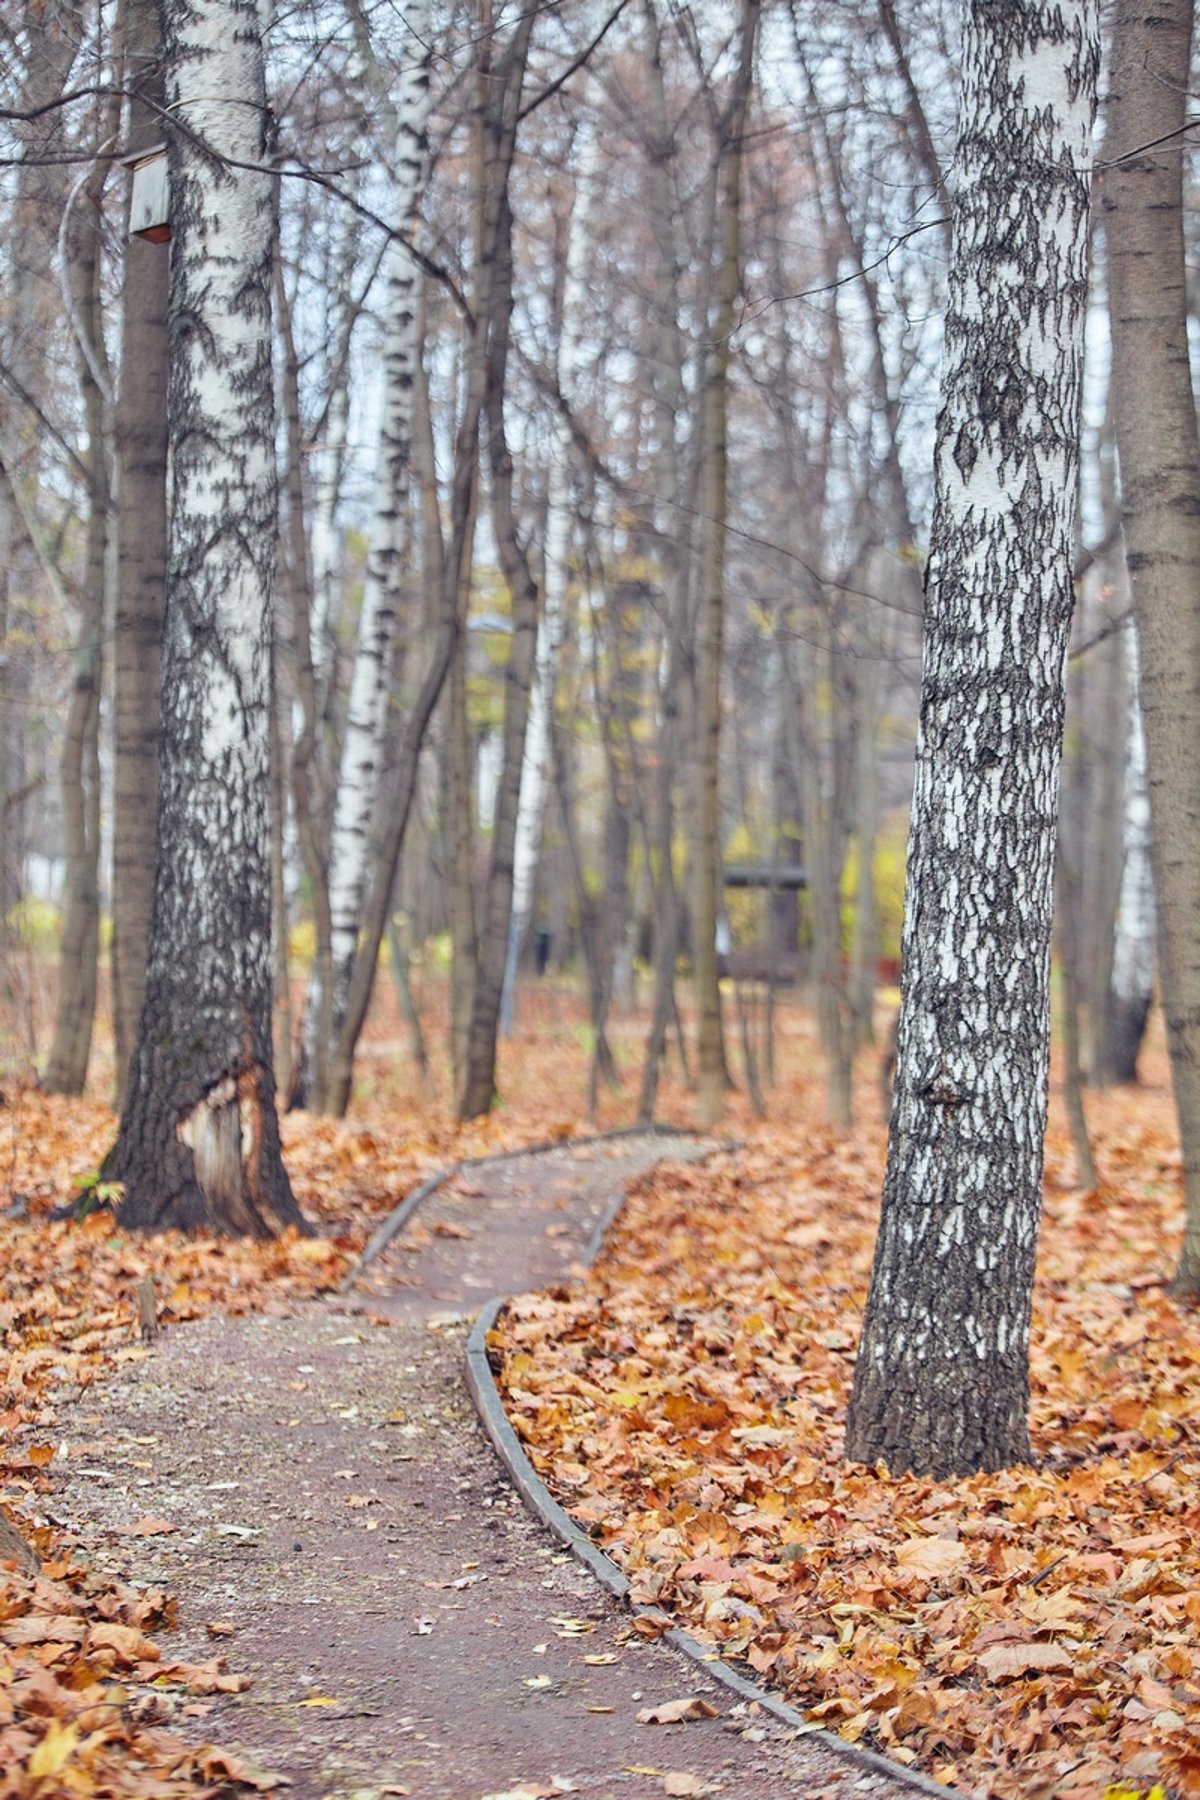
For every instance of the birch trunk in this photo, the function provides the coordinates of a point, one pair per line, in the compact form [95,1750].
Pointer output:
[941,1381]
[141,449]
[535,765]
[1159,449]
[1132,987]
[366,715]
[199,1137]
[455,567]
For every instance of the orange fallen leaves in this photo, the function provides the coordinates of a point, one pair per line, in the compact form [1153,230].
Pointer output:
[1015,1633]
[74,1699]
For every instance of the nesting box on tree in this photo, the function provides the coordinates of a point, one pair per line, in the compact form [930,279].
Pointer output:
[150,202]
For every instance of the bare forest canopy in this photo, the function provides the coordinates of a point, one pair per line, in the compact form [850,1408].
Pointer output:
[581,494]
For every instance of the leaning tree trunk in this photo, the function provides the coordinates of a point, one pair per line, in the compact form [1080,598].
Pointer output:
[199,1137]
[1159,449]
[363,744]
[941,1382]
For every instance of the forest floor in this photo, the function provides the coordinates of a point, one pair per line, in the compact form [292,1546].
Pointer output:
[293,1493]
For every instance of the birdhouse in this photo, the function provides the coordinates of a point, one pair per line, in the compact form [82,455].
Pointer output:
[150,202]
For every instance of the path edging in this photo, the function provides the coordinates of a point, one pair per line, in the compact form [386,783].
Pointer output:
[400,1214]
[538,1500]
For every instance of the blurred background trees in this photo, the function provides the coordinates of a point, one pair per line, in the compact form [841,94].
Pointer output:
[548,383]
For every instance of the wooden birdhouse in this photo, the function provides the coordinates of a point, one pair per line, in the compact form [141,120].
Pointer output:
[150,202]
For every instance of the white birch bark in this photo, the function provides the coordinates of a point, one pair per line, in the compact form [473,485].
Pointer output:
[1133,934]
[325,537]
[941,1381]
[535,765]
[366,716]
[199,1138]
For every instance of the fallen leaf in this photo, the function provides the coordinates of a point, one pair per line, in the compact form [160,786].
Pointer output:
[1004,1662]
[676,1712]
[931,1558]
[49,1756]
[148,1527]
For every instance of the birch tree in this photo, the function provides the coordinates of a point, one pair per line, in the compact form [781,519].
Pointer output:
[1132,986]
[366,716]
[141,453]
[941,1380]
[1158,444]
[535,766]
[199,1137]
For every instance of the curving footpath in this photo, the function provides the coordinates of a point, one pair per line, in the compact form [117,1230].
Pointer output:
[315,1487]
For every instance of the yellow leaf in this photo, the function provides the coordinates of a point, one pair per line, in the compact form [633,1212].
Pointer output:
[320,1700]
[930,1558]
[314,1250]
[54,1749]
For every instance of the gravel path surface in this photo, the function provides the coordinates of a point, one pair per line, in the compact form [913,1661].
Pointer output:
[409,1629]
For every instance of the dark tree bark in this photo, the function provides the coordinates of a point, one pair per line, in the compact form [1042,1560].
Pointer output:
[1159,447]
[199,1136]
[712,1075]
[941,1380]
[66,1069]
[479,1075]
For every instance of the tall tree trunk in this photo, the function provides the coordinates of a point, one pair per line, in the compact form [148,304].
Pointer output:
[199,1137]
[141,448]
[479,1072]
[363,744]
[941,1381]
[672,522]
[309,788]
[460,836]
[710,1051]
[66,1070]
[49,36]
[1159,448]
[559,520]
[455,565]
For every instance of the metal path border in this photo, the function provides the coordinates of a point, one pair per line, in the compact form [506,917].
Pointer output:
[400,1214]
[537,1497]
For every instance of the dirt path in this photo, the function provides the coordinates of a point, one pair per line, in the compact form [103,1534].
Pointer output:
[408,1628]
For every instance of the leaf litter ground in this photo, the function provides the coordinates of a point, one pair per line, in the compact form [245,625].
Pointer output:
[1022,1634]
[1026,1633]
